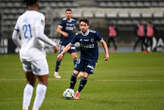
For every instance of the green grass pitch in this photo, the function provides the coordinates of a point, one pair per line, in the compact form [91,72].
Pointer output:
[128,81]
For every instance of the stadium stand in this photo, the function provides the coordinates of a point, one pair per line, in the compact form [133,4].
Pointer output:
[124,13]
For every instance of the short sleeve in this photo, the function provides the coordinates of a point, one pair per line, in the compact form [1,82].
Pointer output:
[75,39]
[98,37]
[62,24]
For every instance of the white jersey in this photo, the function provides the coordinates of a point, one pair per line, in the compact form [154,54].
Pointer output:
[30,27]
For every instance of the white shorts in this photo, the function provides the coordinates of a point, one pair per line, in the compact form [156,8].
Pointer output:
[38,67]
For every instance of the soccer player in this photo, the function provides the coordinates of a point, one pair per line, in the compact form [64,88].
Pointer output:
[113,33]
[88,53]
[151,32]
[140,32]
[66,29]
[30,26]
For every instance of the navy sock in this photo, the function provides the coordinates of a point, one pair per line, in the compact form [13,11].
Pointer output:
[58,62]
[83,82]
[73,80]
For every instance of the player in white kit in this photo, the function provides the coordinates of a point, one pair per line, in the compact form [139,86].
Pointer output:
[30,28]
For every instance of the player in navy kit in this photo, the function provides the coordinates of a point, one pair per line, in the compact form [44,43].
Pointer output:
[66,28]
[88,54]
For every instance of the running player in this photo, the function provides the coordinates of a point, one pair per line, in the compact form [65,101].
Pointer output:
[66,28]
[88,54]
[30,26]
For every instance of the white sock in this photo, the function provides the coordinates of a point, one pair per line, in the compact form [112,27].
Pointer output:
[28,90]
[40,95]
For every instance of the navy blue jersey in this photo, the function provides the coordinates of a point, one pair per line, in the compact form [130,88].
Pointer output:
[67,26]
[88,44]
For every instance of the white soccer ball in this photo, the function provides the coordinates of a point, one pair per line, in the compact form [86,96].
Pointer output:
[69,93]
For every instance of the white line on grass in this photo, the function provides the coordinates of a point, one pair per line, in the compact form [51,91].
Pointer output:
[6,79]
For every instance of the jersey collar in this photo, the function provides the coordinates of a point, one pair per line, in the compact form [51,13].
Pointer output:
[86,33]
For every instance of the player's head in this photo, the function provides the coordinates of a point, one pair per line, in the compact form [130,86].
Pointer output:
[84,25]
[140,21]
[149,22]
[68,13]
[112,24]
[31,3]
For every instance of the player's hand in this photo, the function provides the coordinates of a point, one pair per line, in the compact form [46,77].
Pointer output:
[56,48]
[65,34]
[60,56]
[106,57]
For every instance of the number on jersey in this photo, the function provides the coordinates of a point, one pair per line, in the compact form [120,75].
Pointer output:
[27,31]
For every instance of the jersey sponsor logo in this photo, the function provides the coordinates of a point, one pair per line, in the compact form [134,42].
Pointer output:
[87,45]
[87,40]
[69,28]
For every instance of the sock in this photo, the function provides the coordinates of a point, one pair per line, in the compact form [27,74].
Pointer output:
[58,62]
[73,80]
[83,82]
[75,61]
[40,95]
[28,90]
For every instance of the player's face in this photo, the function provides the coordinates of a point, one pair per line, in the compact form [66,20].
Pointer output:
[83,27]
[68,14]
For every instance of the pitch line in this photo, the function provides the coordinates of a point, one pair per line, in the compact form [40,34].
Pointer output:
[51,79]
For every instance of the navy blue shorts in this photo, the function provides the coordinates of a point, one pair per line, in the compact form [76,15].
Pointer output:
[71,50]
[85,66]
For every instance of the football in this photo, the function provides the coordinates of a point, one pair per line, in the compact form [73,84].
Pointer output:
[68,93]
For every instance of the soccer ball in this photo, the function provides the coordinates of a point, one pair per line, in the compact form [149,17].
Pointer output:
[68,93]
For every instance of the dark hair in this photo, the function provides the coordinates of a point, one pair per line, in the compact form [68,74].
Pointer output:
[30,2]
[84,20]
[68,9]
[150,22]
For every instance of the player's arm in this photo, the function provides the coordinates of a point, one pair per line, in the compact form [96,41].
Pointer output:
[60,56]
[106,50]
[45,39]
[59,30]
[15,37]
[40,35]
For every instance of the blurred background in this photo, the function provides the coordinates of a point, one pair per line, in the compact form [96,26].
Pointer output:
[125,14]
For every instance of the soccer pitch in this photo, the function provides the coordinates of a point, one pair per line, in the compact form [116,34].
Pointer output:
[128,81]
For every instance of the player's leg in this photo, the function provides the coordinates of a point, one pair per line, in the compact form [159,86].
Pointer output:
[148,42]
[142,43]
[136,43]
[145,44]
[109,41]
[28,90]
[74,57]
[58,63]
[82,84]
[114,43]
[88,69]
[56,73]
[73,52]
[41,70]
[73,79]
[151,44]
[78,67]
[40,91]
[83,81]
